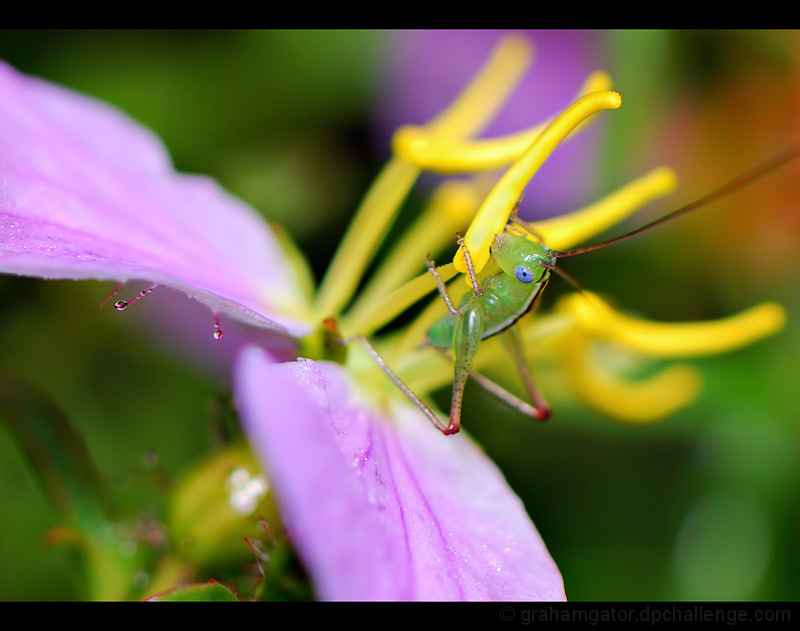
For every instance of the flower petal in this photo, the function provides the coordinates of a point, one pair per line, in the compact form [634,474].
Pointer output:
[386,508]
[87,193]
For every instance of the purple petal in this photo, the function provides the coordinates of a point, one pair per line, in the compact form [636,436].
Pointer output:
[87,193]
[386,508]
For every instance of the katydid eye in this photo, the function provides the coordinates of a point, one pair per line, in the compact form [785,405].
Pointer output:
[523,274]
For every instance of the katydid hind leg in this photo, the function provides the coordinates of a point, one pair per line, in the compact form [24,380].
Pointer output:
[513,340]
[509,399]
[467,335]
[473,278]
[429,414]
[440,285]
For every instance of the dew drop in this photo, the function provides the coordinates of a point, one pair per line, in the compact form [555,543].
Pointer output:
[217,334]
[121,305]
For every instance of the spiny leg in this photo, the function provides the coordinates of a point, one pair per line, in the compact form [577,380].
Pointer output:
[440,284]
[506,397]
[467,334]
[470,267]
[405,389]
[513,339]
[540,411]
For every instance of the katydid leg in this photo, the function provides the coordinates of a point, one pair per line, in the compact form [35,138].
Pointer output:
[513,341]
[403,387]
[466,341]
[506,397]
[440,284]
[473,279]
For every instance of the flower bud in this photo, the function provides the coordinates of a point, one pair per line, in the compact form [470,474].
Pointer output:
[220,502]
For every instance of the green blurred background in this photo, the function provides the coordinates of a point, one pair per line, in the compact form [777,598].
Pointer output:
[703,505]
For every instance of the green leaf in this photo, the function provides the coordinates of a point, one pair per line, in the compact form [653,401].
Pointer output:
[56,453]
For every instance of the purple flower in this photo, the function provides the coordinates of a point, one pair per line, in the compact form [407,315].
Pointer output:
[378,504]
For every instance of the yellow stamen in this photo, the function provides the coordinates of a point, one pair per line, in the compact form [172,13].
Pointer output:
[568,230]
[683,339]
[395,303]
[446,156]
[363,236]
[451,207]
[417,331]
[493,214]
[472,110]
[634,401]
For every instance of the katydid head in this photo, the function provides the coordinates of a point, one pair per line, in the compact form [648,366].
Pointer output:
[521,258]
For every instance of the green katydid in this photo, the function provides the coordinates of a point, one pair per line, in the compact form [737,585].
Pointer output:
[500,300]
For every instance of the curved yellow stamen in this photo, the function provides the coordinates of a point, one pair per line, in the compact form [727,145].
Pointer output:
[487,92]
[568,230]
[635,401]
[469,113]
[493,214]
[444,155]
[680,339]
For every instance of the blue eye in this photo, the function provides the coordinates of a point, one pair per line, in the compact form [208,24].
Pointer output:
[523,274]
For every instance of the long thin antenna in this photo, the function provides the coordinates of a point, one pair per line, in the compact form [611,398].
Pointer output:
[565,275]
[743,180]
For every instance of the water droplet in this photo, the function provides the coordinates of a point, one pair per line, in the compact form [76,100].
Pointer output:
[121,305]
[217,334]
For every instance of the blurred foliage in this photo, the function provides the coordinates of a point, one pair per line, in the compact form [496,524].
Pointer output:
[701,506]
